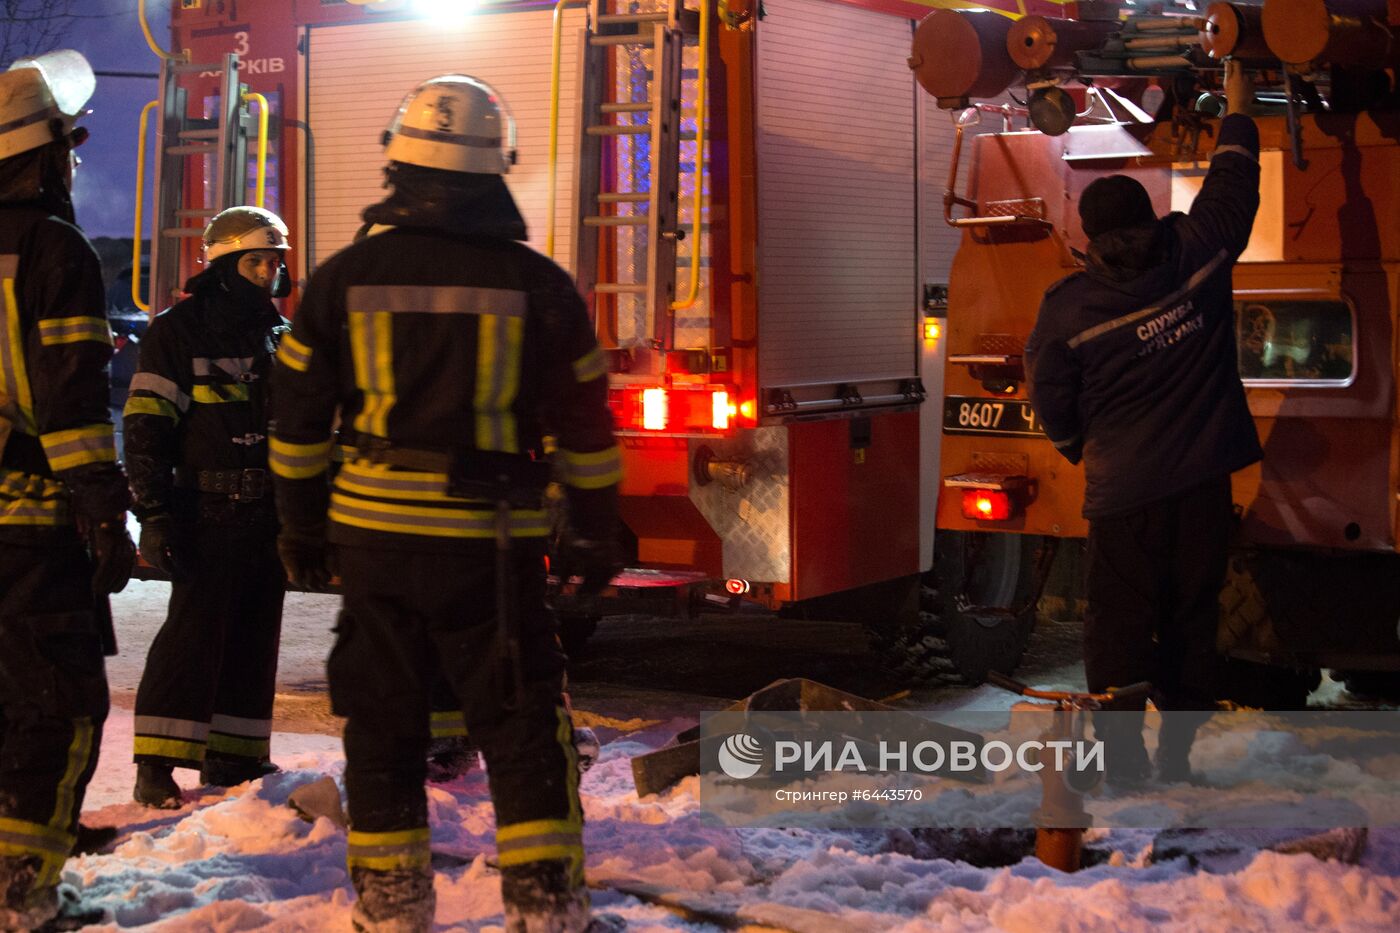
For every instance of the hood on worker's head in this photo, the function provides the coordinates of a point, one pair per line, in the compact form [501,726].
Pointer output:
[454,202]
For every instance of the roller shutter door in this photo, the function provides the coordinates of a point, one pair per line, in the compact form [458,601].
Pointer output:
[837,254]
[360,73]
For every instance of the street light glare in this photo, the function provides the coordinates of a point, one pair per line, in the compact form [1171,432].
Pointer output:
[447,11]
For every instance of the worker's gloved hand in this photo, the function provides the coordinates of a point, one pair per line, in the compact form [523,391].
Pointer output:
[596,561]
[163,547]
[307,558]
[113,554]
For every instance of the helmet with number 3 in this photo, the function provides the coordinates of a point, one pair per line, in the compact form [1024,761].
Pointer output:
[240,229]
[454,123]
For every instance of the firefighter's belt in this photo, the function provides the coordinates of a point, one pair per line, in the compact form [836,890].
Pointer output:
[236,484]
[382,450]
[484,475]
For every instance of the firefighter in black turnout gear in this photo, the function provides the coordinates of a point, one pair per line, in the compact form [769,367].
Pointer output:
[196,445]
[63,499]
[1133,369]
[448,350]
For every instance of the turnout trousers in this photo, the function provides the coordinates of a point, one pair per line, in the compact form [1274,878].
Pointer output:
[409,616]
[1154,582]
[53,702]
[211,673]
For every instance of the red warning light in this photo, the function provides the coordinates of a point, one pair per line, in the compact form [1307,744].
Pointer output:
[986,505]
[737,587]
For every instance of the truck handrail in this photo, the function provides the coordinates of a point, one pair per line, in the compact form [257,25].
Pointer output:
[140,195]
[151,39]
[969,117]
[558,39]
[260,190]
[693,290]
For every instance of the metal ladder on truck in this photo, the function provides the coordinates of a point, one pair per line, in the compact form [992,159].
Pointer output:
[603,117]
[222,138]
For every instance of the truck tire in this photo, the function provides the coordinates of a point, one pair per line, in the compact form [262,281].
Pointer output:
[1252,612]
[977,609]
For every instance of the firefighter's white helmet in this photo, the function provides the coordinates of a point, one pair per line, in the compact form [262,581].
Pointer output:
[455,123]
[239,229]
[37,91]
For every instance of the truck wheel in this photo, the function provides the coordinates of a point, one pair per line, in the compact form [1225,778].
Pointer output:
[977,609]
[575,628]
[1249,621]
[985,594]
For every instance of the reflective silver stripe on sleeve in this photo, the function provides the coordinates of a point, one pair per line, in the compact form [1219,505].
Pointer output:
[1069,442]
[436,299]
[159,385]
[1237,150]
[1203,273]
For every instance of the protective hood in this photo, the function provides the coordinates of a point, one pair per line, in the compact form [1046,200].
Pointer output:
[38,178]
[454,202]
[1127,253]
[235,301]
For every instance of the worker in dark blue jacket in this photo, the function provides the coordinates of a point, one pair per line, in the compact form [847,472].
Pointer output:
[1132,368]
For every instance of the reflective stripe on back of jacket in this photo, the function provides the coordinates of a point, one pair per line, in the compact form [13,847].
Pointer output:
[443,343]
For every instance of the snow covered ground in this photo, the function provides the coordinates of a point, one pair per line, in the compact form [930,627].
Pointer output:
[241,860]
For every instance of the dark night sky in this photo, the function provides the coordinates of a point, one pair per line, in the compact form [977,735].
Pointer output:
[105,189]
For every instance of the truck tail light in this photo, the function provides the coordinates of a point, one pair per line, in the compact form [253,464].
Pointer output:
[986,505]
[680,409]
[654,409]
[992,497]
[721,410]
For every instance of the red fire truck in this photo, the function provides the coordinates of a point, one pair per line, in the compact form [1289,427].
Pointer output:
[1315,578]
[747,195]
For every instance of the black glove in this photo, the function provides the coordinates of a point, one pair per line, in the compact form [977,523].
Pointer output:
[163,548]
[597,562]
[307,558]
[113,555]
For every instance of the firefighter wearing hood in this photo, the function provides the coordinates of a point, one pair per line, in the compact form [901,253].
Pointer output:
[448,350]
[63,498]
[196,442]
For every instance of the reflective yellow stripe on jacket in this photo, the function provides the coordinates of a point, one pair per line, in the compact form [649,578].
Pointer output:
[500,315]
[60,330]
[26,499]
[75,447]
[297,461]
[592,470]
[16,400]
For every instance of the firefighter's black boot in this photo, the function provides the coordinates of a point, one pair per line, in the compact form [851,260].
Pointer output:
[230,772]
[156,787]
[393,901]
[22,905]
[541,897]
[73,914]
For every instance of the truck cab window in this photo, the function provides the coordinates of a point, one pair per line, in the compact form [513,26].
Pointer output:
[1292,342]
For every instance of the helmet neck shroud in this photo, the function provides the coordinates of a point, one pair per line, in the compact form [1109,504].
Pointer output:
[453,202]
[39,178]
